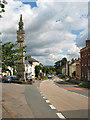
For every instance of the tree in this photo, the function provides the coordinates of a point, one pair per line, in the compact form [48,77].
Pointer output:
[47,70]
[10,55]
[2,5]
[44,69]
[37,70]
[58,65]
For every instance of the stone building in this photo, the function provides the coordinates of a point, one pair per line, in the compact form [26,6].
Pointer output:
[72,68]
[64,69]
[20,41]
[85,62]
[78,69]
[67,68]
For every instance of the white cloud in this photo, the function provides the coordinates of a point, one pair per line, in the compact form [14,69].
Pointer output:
[47,39]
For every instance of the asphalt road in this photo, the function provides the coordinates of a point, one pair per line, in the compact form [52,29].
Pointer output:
[38,105]
[25,101]
[70,104]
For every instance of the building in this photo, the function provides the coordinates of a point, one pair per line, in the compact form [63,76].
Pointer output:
[30,64]
[64,69]
[67,68]
[72,68]
[78,69]
[85,62]
[20,41]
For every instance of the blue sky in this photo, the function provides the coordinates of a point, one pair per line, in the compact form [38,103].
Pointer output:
[53,30]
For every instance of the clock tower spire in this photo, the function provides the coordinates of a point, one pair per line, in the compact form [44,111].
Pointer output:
[20,41]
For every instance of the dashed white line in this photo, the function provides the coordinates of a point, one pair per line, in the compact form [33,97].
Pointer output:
[47,101]
[52,107]
[44,97]
[60,115]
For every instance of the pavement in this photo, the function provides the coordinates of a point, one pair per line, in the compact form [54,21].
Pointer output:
[70,104]
[73,88]
[14,102]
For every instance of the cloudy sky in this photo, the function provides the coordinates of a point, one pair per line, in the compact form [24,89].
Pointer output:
[53,29]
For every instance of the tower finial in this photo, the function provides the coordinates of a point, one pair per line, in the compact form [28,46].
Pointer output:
[21,17]
[21,23]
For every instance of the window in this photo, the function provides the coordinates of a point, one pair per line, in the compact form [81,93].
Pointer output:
[85,53]
[88,52]
[88,61]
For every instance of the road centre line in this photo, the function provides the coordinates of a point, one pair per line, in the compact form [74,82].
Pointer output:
[52,107]
[44,97]
[60,115]
[47,101]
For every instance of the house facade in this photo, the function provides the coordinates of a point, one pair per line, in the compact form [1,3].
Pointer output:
[64,69]
[67,68]
[30,64]
[78,69]
[85,62]
[72,68]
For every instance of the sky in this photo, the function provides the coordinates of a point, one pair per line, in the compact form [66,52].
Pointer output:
[53,29]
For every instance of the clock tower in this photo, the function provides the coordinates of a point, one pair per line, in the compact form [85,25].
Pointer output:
[20,41]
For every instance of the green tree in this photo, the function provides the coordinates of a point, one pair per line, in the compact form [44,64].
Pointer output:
[37,70]
[44,69]
[2,5]
[58,65]
[47,70]
[10,55]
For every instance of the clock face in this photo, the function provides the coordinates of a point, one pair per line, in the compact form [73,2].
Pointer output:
[20,36]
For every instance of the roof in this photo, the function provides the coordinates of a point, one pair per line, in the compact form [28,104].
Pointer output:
[26,62]
[31,60]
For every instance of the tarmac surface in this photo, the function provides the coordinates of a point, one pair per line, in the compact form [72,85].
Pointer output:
[70,104]
[44,99]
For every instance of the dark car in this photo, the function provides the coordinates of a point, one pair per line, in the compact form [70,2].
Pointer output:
[14,78]
[50,77]
[6,79]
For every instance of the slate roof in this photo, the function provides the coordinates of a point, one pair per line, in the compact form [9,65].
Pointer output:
[31,60]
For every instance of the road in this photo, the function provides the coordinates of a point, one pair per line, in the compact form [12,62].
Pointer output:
[44,99]
[25,101]
[70,104]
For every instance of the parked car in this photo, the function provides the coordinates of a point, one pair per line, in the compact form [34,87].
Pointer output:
[50,77]
[6,79]
[1,76]
[14,78]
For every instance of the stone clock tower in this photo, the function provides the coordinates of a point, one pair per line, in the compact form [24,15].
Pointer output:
[20,41]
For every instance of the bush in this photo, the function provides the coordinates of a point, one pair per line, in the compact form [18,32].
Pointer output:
[85,85]
[61,76]
[45,77]
[36,78]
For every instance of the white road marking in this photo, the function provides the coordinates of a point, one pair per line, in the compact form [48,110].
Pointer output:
[52,107]
[47,101]
[60,115]
[44,97]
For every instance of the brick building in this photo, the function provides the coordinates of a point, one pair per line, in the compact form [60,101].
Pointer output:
[85,62]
